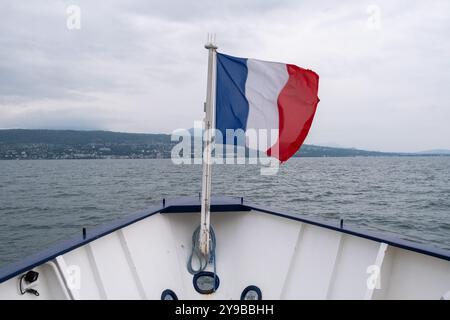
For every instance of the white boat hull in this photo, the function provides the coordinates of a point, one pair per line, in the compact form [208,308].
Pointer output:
[285,258]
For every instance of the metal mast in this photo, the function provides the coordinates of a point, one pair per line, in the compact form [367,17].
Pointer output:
[208,139]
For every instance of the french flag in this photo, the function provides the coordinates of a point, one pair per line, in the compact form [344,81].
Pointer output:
[255,94]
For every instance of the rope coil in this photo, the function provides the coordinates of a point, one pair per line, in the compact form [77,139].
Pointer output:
[196,251]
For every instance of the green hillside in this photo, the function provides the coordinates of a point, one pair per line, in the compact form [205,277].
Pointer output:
[74,144]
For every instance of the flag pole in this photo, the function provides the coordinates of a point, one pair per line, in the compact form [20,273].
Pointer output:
[208,138]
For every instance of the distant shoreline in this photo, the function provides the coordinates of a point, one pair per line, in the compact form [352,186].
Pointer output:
[24,144]
[295,157]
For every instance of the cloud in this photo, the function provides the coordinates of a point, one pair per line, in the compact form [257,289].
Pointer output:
[139,66]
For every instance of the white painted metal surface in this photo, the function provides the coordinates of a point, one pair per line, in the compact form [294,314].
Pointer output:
[207,163]
[286,259]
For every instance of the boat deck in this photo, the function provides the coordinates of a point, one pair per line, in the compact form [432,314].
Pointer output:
[142,255]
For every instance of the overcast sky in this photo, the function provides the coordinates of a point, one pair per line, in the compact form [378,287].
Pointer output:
[140,66]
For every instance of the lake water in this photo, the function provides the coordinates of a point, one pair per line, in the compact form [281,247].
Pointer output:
[42,202]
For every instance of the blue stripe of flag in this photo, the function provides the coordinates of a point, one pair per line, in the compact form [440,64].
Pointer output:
[231,104]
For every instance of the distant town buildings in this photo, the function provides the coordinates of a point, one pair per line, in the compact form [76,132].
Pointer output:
[88,151]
